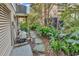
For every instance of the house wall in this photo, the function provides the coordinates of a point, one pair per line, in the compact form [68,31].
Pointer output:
[12,31]
[13,19]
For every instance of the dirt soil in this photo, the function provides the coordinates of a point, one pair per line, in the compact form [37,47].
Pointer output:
[48,52]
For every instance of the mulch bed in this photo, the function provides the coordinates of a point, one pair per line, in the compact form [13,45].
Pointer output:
[48,51]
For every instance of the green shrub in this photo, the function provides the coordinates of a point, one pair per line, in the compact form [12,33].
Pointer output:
[44,31]
[67,48]
[73,49]
[23,26]
[55,45]
[34,26]
[53,33]
[75,35]
[47,31]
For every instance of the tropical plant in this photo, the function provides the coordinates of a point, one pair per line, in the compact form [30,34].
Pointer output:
[47,31]
[34,26]
[55,45]
[24,26]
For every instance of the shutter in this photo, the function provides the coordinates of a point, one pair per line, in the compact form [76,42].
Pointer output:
[4,28]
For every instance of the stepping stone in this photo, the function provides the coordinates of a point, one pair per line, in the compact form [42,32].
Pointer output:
[22,51]
[33,34]
[40,48]
[38,40]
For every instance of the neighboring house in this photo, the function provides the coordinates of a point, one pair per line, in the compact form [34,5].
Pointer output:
[8,26]
[48,10]
[21,13]
[53,11]
[54,14]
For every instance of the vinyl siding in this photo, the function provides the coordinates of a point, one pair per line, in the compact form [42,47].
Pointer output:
[5,31]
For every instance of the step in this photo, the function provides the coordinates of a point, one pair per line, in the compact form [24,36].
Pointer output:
[38,40]
[20,44]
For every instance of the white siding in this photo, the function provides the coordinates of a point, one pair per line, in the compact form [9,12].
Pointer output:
[5,35]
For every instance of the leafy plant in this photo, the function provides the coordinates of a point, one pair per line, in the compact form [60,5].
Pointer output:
[75,35]
[61,45]
[34,26]
[23,26]
[48,31]
[56,46]
[65,47]
[45,31]
[73,49]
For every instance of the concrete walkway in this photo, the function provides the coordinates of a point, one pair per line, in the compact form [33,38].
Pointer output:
[22,51]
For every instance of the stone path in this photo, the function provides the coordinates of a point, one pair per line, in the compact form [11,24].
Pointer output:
[28,50]
[39,47]
[22,51]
